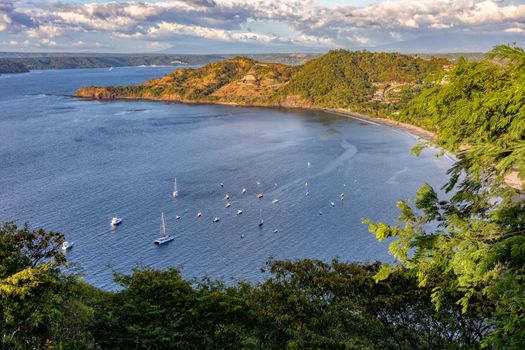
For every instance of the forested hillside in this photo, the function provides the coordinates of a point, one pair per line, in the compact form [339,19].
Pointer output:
[360,81]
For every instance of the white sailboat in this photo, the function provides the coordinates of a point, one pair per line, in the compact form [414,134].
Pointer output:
[261,221]
[164,238]
[175,189]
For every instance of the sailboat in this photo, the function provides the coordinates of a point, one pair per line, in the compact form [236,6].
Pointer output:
[261,221]
[175,190]
[164,238]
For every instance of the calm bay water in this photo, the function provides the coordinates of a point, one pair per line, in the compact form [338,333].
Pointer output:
[69,165]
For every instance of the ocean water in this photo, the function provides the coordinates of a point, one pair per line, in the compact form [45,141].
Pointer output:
[69,165]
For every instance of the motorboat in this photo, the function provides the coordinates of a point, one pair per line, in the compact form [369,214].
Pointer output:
[259,196]
[216,219]
[239,212]
[115,221]
[199,214]
[227,205]
[275,201]
[67,245]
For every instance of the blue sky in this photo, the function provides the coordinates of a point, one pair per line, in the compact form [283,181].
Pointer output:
[258,26]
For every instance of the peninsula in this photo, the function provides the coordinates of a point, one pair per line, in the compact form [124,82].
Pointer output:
[360,81]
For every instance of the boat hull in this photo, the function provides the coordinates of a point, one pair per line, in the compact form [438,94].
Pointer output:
[163,240]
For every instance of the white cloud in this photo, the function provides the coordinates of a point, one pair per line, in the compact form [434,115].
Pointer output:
[222,20]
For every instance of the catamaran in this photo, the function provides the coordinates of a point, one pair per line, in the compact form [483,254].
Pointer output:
[164,238]
[175,190]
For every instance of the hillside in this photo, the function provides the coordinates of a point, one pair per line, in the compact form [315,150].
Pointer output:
[13,67]
[339,79]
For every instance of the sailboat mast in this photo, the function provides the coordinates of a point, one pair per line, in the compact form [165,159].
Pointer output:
[162,225]
[175,190]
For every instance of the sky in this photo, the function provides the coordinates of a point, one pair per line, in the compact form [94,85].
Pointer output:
[259,26]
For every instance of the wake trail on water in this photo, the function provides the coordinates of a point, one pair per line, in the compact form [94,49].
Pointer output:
[349,153]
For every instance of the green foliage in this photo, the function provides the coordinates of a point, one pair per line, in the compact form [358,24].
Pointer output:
[479,107]
[472,246]
[38,304]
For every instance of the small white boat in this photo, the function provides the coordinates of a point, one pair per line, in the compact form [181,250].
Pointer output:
[164,238]
[306,184]
[243,191]
[115,221]
[258,183]
[261,221]
[199,214]
[110,69]
[320,212]
[307,194]
[275,201]
[239,212]
[227,197]
[259,196]
[216,219]
[175,189]
[227,205]
[309,164]
[221,184]
[242,235]
[332,204]
[275,231]
[342,195]
[177,217]
[67,245]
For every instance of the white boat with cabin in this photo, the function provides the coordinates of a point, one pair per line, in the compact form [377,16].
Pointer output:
[67,245]
[115,221]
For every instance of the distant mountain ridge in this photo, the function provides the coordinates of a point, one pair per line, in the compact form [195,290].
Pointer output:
[23,62]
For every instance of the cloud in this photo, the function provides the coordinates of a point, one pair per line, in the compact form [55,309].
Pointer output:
[310,24]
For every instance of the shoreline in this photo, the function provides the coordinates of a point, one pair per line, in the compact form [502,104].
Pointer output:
[411,129]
